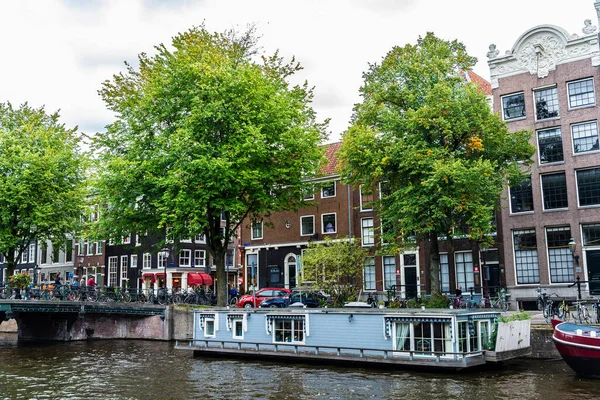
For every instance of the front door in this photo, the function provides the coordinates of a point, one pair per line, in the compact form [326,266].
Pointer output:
[290,271]
[410,280]
[592,258]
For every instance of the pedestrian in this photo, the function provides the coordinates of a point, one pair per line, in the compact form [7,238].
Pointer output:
[57,280]
[457,296]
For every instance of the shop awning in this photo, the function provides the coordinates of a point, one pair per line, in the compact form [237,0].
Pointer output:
[199,279]
[148,275]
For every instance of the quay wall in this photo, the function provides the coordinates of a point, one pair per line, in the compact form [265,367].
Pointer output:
[180,326]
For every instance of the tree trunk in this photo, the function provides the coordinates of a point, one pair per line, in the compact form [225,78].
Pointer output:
[434,264]
[222,288]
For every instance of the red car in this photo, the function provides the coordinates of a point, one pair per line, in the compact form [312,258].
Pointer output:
[248,301]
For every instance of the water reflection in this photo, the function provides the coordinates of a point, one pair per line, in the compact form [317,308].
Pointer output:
[155,370]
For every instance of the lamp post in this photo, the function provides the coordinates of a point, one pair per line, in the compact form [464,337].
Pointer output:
[572,249]
[167,255]
[81,259]
[483,248]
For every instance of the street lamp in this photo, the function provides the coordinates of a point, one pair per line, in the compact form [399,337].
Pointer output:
[81,259]
[483,249]
[573,248]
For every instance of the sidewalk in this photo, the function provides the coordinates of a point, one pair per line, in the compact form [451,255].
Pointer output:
[537,318]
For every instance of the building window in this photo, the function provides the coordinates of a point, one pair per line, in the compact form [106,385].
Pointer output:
[581,93]
[185,257]
[368,235]
[209,327]
[521,197]
[147,261]
[546,103]
[444,273]
[24,257]
[554,190]
[591,234]
[127,239]
[134,261]
[366,200]
[588,186]
[308,193]
[369,273]
[124,261]
[162,260]
[585,137]
[526,257]
[329,225]
[513,106]
[289,331]
[99,247]
[328,190]
[199,258]
[307,225]
[200,239]
[464,270]
[257,230]
[112,271]
[559,255]
[550,147]
[90,249]
[389,272]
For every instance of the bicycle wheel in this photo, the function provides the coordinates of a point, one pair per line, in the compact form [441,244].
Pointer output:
[584,314]
[563,311]
[505,305]
[540,305]
[547,311]
[233,301]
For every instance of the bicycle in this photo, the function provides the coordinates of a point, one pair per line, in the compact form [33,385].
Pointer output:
[501,302]
[372,300]
[582,314]
[596,312]
[549,307]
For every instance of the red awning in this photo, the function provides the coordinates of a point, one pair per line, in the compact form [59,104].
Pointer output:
[147,275]
[199,279]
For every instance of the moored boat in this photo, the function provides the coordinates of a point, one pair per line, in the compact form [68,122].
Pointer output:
[579,346]
[440,338]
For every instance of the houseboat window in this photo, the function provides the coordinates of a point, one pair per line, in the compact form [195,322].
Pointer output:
[442,339]
[462,337]
[474,337]
[484,329]
[422,336]
[403,337]
[238,331]
[289,331]
[209,328]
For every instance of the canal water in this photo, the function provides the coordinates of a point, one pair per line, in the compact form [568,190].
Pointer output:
[155,370]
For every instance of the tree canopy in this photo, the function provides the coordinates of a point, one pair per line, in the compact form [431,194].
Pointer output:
[42,180]
[334,267]
[429,136]
[205,130]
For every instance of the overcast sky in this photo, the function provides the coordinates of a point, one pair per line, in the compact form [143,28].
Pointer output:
[57,52]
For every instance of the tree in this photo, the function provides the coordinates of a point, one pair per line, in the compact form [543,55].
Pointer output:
[205,133]
[335,267]
[430,138]
[42,181]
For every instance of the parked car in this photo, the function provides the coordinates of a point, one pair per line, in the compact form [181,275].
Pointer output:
[249,301]
[308,299]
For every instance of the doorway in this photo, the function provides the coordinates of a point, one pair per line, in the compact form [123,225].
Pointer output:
[592,259]
[290,271]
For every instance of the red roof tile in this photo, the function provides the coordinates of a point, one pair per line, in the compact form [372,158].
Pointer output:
[331,151]
[484,85]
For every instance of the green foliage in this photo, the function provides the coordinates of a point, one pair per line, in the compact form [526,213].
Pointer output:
[518,316]
[334,267]
[436,300]
[203,130]
[42,180]
[20,281]
[431,137]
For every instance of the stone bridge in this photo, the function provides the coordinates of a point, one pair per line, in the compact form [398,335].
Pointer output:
[78,320]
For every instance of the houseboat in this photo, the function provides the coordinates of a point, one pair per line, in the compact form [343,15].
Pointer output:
[443,338]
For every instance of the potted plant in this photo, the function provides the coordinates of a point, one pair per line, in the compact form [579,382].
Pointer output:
[20,282]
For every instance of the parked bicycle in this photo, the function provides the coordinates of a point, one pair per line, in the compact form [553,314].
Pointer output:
[372,300]
[501,301]
[551,306]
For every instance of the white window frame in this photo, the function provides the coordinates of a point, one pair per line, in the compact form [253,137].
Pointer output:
[386,274]
[372,283]
[134,260]
[333,185]
[112,270]
[323,224]
[99,247]
[31,252]
[541,89]
[162,260]
[569,93]
[199,258]
[292,330]
[362,205]
[185,258]
[200,238]
[313,225]
[367,232]
[233,328]
[24,256]
[124,268]
[212,322]
[90,248]
[126,239]
[146,261]
[573,137]
[252,231]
